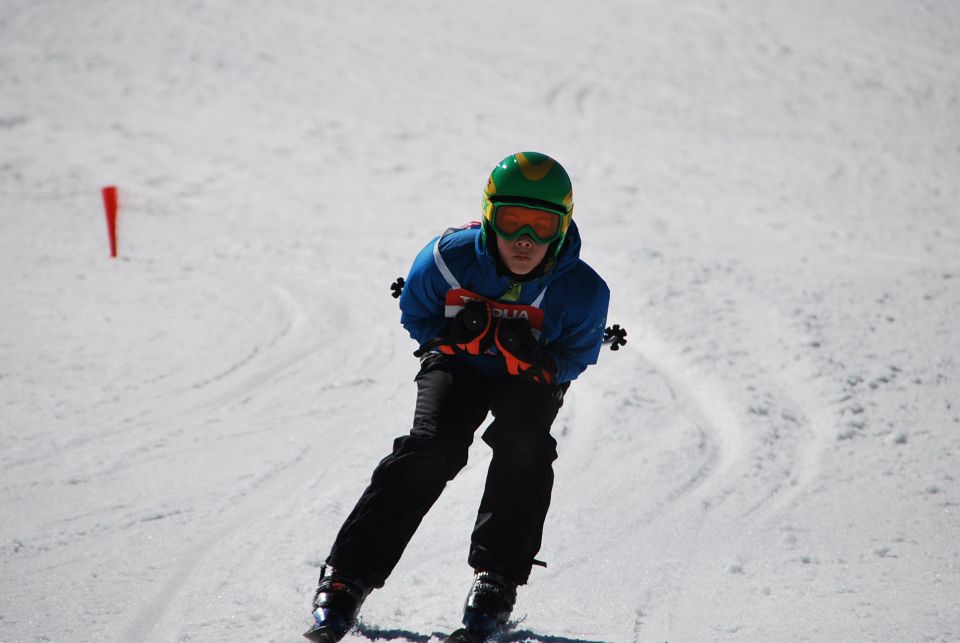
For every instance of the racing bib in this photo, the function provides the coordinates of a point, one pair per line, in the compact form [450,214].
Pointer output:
[457,298]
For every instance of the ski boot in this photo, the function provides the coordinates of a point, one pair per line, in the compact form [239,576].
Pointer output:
[487,609]
[335,605]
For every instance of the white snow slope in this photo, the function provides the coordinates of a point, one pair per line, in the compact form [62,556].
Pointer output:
[771,190]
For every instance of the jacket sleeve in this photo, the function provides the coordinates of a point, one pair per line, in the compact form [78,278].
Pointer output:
[581,337]
[422,299]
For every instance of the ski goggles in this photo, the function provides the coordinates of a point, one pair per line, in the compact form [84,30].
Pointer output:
[511,220]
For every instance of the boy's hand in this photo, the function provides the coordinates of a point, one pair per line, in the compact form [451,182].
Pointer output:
[470,332]
[522,352]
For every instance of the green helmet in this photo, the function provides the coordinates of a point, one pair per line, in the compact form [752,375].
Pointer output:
[532,179]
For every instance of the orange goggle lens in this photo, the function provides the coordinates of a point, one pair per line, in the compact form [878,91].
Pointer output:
[511,221]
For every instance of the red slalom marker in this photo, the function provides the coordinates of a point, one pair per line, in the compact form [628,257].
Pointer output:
[110,205]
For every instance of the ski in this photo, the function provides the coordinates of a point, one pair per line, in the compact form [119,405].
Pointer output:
[326,628]
[321,634]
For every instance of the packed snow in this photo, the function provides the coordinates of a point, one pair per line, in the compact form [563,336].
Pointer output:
[771,190]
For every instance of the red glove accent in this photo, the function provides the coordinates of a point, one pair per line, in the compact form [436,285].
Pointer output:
[476,315]
[522,353]
[470,332]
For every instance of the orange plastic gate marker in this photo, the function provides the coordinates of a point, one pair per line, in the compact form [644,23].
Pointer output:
[110,205]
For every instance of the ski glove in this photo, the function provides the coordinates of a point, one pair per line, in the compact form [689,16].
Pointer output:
[469,332]
[522,352]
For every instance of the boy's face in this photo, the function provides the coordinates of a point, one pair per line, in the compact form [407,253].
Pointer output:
[521,255]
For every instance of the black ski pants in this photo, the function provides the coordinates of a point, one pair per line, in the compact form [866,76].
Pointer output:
[453,400]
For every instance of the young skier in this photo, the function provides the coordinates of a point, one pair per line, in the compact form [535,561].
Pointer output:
[506,315]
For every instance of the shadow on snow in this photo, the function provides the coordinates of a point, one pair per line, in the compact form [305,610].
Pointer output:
[515,636]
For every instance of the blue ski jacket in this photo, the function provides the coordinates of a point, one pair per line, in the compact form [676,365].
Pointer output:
[572,296]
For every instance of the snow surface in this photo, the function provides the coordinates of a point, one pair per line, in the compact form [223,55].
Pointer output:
[771,189]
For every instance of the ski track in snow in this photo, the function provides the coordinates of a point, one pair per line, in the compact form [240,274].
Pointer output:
[709,397]
[279,488]
[723,439]
[273,359]
[719,490]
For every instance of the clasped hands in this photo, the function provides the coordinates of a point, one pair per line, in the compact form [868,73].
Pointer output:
[474,330]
